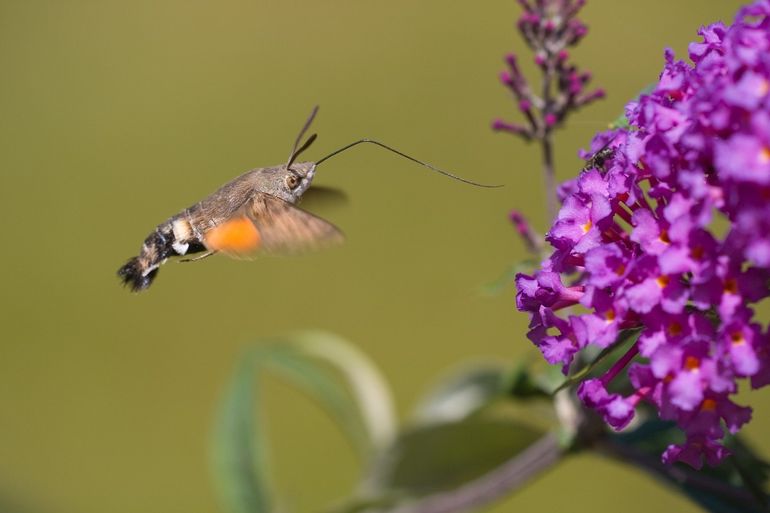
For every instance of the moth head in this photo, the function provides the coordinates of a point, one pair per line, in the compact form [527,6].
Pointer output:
[294,181]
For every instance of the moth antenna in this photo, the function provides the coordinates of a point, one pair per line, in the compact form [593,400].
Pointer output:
[301,149]
[425,164]
[294,152]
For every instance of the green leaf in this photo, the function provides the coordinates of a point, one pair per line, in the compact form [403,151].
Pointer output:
[625,340]
[523,384]
[370,390]
[754,472]
[328,369]
[238,452]
[462,393]
[437,457]
[318,383]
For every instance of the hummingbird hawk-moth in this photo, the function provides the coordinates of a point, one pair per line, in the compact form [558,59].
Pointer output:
[252,214]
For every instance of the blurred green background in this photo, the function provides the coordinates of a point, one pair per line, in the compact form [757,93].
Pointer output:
[116,115]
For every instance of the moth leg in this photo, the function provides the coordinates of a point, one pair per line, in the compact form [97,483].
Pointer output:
[199,257]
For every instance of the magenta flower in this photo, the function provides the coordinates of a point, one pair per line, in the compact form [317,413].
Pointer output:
[635,245]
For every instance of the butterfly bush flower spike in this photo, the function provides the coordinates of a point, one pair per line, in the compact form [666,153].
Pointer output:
[549,28]
[635,244]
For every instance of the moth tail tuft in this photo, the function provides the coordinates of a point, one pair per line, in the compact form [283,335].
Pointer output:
[134,275]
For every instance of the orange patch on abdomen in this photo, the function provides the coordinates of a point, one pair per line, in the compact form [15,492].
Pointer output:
[237,235]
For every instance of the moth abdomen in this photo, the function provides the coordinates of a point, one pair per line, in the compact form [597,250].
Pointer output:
[136,274]
[166,241]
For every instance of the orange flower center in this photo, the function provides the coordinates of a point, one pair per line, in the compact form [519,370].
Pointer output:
[662,280]
[697,252]
[737,338]
[708,405]
[674,329]
[664,237]
[731,286]
[764,155]
[691,363]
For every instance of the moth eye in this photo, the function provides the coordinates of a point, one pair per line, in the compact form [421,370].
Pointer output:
[292,181]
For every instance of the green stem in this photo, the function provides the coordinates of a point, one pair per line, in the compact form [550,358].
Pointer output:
[509,477]
[550,176]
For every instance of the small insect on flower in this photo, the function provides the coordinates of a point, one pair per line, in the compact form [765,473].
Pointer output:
[599,158]
[253,214]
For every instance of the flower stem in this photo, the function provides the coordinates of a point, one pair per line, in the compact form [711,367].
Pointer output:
[508,477]
[621,364]
[549,174]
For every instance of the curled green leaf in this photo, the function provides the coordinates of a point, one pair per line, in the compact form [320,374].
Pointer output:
[328,369]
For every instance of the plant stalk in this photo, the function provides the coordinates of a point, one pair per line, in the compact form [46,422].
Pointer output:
[549,174]
[507,478]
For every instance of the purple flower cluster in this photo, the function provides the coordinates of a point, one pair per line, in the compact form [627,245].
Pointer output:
[670,236]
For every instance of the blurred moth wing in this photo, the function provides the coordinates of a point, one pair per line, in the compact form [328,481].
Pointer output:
[266,224]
